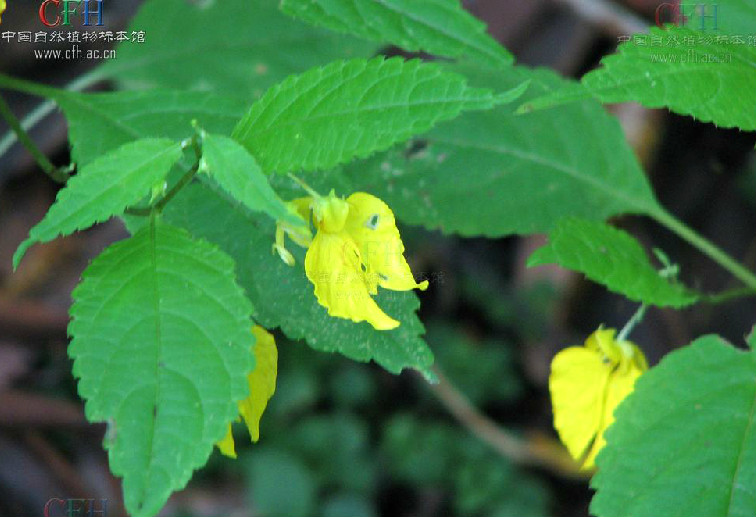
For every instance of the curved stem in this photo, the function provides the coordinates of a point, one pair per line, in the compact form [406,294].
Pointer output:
[730,294]
[632,322]
[717,255]
[525,451]
[43,109]
[58,175]
[181,183]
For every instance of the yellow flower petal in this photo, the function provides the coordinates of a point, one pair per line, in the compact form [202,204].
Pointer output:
[2,9]
[262,385]
[333,265]
[577,385]
[619,387]
[262,381]
[226,445]
[586,385]
[372,226]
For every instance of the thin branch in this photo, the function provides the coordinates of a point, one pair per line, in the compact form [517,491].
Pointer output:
[181,183]
[519,450]
[45,108]
[58,175]
[728,295]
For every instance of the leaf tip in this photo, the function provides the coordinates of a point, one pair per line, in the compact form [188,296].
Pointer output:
[21,251]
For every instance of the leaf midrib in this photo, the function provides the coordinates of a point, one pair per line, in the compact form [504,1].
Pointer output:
[646,207]
[741,450]
[158,342]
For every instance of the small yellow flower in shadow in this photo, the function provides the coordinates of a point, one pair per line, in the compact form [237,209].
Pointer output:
[2,9]
[357,248]
[587,384]
[262,385]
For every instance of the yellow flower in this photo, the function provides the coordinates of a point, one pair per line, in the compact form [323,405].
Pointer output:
[587,384]
[357,248]
[2,9]
[262,385]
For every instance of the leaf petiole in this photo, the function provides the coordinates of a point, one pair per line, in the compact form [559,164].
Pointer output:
[717,255]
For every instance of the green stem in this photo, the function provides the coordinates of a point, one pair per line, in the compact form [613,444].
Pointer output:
[46,165]
[46,107]
[730,294]
[630,325]
[181,183]
[717,255]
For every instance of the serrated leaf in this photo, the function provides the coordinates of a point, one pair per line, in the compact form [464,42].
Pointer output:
[105,188]
[199,50]
[440,27]
[348,109]
[711,81]
[684,443]
[698,75]
[160,343]
[494,173]
[611,257]
[100,122]
[240,176]
[282,295]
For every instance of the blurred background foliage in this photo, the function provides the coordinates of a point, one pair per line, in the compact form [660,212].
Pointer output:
[342,439]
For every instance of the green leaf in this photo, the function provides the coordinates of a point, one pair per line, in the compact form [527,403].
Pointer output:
[704,78]
[100,122]
[684,442]
[193,46]
[440,27]
[105,188]
[613,258]
[713,82]
[284,297]
[348,109]
[494,173]
[161,346]
[240,176]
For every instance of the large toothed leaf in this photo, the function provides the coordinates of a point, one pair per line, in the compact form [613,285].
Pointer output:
[709,77]
[160,343]
[611,257]
[105,188]
[230,47]
[440,27]
[100,122]
[684,442]
[284,297]
[495,173]
[711,81]
[238,173]
[348,109]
